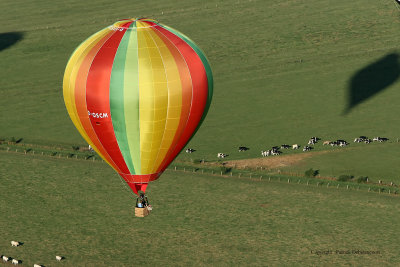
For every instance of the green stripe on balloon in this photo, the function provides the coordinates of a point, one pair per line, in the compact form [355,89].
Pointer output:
[131,101]
[117,100]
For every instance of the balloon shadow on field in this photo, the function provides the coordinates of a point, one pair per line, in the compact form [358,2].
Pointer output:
[372,79]
[8,39]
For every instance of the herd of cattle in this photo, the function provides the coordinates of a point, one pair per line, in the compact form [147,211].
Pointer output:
[276,150]
[16,262]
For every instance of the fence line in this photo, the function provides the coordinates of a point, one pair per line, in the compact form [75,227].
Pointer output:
[316,183]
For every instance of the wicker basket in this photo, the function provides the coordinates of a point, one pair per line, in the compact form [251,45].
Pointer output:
[141,212]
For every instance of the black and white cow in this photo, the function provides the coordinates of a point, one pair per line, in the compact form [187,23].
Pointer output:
[307,148]
[341,142]
[334,143]
[190,150]
[380,139]
[276,153]
[360,139]
[222,155]
[285,146]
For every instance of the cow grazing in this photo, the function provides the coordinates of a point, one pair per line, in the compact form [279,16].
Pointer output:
[38,265]
[307,148]
[285,146]
[190,150]
[5,258]
[367,141]
[15,261]
[326,143]
[341,142]
[360,139]
[295,146]
[334,143]
[243,148]
[276,153]
[380,139]
[15,243]
[313,140]
[222,155]
[265,153]
[59,258]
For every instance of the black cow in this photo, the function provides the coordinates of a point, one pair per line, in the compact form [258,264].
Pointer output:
[243,148]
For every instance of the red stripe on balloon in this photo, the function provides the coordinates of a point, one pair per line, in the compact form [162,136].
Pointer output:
[140,178]
[80,98]
[98,98]
[199,93]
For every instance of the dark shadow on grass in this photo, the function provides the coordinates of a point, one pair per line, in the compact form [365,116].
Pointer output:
[8,39]
[372,79]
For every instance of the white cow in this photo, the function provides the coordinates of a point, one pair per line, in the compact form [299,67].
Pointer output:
[5,259]
[59,258]
[266,153]
[295,146]
[37,265]
[15,261]
[15,243]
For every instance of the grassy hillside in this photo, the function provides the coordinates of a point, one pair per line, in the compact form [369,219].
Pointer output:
[81,210]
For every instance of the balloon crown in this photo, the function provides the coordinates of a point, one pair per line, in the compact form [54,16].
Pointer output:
[131,23]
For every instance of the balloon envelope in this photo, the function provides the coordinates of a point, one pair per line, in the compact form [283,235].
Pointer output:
[137,91]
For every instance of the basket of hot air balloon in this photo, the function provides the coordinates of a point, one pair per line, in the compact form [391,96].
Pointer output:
[137,91]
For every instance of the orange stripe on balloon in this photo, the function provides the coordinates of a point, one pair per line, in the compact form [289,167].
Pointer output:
[80,100]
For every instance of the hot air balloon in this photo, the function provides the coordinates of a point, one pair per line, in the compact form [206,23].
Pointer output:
[137,91]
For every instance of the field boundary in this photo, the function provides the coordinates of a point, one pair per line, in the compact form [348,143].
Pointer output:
[212,169]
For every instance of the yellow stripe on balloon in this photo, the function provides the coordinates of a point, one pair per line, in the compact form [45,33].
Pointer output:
[70,75]
[153,98]
[174,104]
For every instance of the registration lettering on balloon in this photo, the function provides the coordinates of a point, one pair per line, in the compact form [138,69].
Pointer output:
[98,115]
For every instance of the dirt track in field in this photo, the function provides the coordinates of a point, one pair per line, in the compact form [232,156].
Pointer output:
[272,162]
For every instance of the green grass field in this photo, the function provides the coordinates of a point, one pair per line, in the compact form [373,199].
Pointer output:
[283,72]
[87,216]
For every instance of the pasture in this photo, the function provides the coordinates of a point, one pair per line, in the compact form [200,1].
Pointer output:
[82,211]
[283,70]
